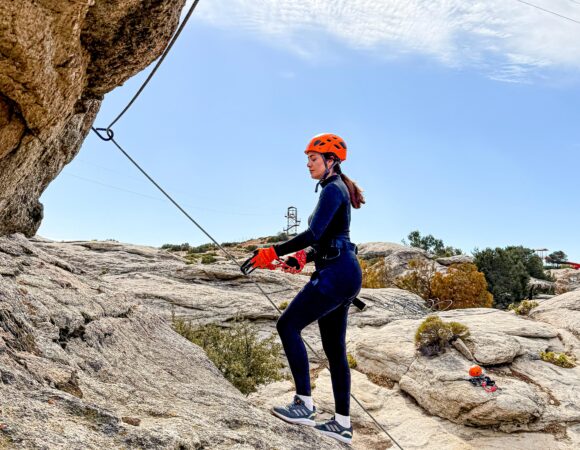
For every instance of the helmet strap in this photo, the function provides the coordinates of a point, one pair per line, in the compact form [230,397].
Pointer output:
[326,171]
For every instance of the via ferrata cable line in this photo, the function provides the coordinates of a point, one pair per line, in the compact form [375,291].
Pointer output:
[152,74]
[110,137]
[107,134]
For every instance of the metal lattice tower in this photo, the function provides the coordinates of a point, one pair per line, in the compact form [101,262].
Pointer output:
[293,221]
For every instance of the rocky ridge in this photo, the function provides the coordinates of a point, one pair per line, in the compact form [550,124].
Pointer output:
[86,345]
[84,363]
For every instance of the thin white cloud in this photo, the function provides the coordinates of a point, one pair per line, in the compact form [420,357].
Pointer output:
[508,40]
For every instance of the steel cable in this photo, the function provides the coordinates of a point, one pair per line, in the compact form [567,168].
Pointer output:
[111,138]
[152,74]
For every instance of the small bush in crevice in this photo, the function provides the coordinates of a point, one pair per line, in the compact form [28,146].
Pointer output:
[559,359]
[433,335]
[523,308]
[351,361]
[283,306]
[243,359]
[381,380]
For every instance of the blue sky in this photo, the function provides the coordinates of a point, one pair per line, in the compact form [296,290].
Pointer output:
[464,126]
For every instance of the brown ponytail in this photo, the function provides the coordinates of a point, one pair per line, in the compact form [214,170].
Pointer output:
[356,193]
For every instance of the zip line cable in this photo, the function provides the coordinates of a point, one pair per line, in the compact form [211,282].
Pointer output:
[140,194]
[109,136]
[140,179]
[550,12]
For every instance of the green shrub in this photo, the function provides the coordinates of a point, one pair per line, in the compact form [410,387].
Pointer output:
[278,238]
[230,244]
[431,244]
[523,308]
[208,259]
[532,262]
[559,359]
[557,257]
[506,274]
[461,287]
[283,306]
[459,330]
[203,248]
[244,359]
[191,258]
[351,361]
[176,247]
[251,247]
[433,335]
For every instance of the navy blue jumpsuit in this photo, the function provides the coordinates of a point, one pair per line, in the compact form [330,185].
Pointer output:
[329,293]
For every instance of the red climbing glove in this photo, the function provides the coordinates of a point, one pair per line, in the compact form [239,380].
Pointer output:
[263,258]
[296,262]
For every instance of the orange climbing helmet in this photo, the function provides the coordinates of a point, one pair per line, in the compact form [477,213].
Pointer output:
[475,371]
[327,143]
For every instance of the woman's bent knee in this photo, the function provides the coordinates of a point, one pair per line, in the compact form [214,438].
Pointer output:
[283,326]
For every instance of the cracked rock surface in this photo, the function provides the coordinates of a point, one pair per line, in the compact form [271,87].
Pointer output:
[88,359]
[84,364]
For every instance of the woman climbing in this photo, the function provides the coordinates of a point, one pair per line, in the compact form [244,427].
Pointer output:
[330,291]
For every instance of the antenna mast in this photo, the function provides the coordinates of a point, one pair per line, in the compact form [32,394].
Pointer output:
[292,221]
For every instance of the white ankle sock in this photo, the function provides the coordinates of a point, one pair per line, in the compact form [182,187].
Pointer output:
[343,421]
[307,401]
